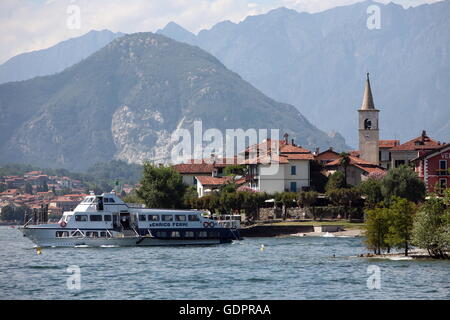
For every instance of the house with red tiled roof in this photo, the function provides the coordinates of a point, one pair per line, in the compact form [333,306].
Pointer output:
[433,167]
[358,169]
[212,167]
[278,166]
[326,156]
[404,153]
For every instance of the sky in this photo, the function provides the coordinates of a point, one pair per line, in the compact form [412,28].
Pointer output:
[29,25]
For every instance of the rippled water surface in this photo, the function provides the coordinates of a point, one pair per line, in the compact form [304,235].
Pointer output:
[288,268]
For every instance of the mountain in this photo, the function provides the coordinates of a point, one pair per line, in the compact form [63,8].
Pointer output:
[318,63]
[124,101]
[55,59]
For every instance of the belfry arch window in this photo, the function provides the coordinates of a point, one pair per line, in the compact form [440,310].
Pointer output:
[367,124]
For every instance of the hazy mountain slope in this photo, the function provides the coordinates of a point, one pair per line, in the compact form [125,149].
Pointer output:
[125,100]
[56,58]
[318,63]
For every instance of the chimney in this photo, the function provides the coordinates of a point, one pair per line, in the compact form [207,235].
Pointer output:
[317,151]
[292,142]
[424,134]
[286,136]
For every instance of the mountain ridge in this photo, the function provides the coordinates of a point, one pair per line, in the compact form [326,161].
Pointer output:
[317,62]
[124,101]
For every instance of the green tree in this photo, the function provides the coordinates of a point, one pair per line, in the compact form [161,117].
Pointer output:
[345,198]
[190,195]
[403,182]
[376,229]
[161,187]
[287,200]
[336,181]
[371,189]
[308,199]
[431,230]
[344,162]
[318,178]
[402,213]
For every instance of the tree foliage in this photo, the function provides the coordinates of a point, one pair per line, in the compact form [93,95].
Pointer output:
[403,182]
[377,229]
[336,181]
[431,229]
[371,189]
[401,213]
[161,187]
[309,199]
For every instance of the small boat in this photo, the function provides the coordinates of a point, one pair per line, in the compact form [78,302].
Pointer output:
[105,220]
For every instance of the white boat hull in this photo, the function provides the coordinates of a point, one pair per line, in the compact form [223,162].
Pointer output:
[46,238]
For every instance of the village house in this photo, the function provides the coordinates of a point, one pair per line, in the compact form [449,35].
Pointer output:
[433,167]
[385,152]
[326,156]
[406,152]
[358,170]
[212,167]
[286,168]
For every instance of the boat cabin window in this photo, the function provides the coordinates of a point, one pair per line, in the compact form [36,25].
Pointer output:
[193,217]
[89,200]
[76,234]
[202,234]
[161,234]
[67,218]
[189,234]
[62,234]
[96,217]
[92,234]
[107,217]
[153,217]
[175,234]
[81,217]
[180,217]
[108,200]
[142,217]
[166,217]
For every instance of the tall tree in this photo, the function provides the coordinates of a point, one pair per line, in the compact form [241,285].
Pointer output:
[401,223]
[344,162]
[403,182]
[431,230]
[371,189]
[377,229]
[161,187]
[308,199]
[336,181]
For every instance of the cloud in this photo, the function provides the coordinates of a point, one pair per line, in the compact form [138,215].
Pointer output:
[36,24]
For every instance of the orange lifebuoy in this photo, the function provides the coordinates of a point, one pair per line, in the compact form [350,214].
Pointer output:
[63,224]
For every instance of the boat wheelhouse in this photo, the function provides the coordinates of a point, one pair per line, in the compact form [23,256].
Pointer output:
[104,220]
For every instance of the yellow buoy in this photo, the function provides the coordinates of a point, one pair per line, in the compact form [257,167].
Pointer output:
[262,247]
[38,250]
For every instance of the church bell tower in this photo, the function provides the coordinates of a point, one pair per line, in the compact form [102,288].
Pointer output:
[368,127]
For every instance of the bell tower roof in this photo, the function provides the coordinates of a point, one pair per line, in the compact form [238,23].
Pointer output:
[367,103]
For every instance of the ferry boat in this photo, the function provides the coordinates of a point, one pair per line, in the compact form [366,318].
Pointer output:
[105,220]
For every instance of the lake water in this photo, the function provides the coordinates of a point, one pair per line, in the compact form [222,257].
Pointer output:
[288,268]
